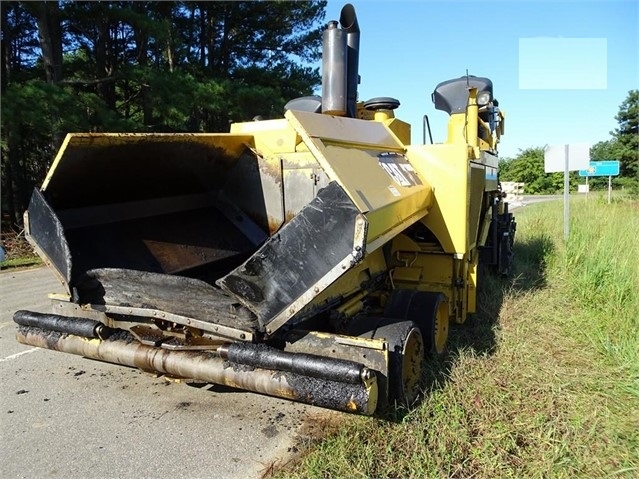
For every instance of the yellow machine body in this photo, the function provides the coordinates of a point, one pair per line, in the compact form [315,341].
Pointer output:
[311,246]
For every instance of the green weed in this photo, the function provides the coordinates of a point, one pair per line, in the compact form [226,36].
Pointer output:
[541,382]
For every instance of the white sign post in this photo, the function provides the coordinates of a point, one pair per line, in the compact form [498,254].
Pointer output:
[566,158]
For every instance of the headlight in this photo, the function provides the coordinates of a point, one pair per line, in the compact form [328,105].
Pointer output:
[483,98]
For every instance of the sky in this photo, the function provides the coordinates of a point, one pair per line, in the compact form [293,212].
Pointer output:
[560,69]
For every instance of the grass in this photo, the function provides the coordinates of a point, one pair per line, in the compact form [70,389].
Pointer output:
[542,382]
[18,252]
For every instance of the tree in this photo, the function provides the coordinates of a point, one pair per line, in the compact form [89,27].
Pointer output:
[143,66]
[627,135]
[623,146]
[601,151]
[48,19]
[19,52]
[528,167]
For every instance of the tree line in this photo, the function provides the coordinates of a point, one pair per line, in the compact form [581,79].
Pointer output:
[73,66]
[528,165]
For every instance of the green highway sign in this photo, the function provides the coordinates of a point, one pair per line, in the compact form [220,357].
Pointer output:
[601,168]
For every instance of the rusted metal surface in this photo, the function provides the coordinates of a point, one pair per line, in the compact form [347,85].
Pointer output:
[165,243]
[125,317]
[163,295]
[156,203]
[254,185]
[301,260]
[210,329]
[107,168]
[209,367]
[299,190]
[373,353]
[152,336]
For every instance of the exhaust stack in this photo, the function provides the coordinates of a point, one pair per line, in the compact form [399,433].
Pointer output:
[340,65]
[348,19]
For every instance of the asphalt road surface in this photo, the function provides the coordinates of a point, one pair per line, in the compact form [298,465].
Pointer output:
[532,199]
[65,416]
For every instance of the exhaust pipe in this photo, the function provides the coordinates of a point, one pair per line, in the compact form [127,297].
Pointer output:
[340,65]
[348,20]
[334,70]
[205,366]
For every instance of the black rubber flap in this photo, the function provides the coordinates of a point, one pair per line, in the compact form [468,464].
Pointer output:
[46,231]
[294,260]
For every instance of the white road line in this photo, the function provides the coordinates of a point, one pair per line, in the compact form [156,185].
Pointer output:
[17,355]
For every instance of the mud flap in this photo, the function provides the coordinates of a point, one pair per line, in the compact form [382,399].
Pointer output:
[316,247]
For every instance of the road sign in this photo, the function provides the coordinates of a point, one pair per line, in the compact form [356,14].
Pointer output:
[566,158]
[571,157]
[601,168]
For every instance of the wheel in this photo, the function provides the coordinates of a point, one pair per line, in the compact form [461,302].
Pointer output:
[405,361]
[405,356]
[507,235]
[505,257]
[428,310]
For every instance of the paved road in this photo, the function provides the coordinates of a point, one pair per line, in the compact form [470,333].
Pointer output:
[531,199]
[66,416]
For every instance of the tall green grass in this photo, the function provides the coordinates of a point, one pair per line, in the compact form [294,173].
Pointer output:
[542,382]
[601,266]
